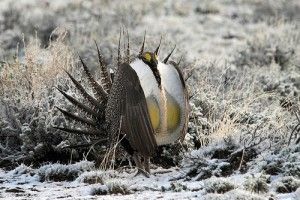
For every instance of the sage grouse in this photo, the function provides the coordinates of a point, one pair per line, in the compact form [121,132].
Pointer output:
[142,105]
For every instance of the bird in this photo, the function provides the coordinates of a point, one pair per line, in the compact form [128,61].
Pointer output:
[143,104]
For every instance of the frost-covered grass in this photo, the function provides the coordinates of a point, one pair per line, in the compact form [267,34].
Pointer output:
[218,185]
[257,184]
[60,172]
[91,177]
[243,61]
[165,183]
[287,184]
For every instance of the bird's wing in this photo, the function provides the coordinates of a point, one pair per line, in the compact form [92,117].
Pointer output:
[134,116]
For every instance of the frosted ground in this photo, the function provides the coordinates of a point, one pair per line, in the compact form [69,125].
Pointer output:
[243,63]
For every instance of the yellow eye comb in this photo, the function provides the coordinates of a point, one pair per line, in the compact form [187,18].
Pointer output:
[147,57]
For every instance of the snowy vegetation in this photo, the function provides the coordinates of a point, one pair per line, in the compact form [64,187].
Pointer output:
[242,61]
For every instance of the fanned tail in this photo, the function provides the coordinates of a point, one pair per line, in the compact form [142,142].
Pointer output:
[96,104]
[92,122]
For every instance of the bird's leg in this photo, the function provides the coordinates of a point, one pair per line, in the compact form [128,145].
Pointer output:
[137,161]
[139,166]
[147,164]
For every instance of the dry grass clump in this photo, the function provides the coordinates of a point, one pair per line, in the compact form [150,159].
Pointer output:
[257,184]
[100,190]
[92,177]
[22,169]
[178,187]
[218,185]
[117,187]
[247,107]
[111,186]
[287,184]
[207,7]
[28,80]
[245,103]
[230,104]
[272,11]
[60,172]
[236,118]
[282,161]
[28,97]
[276,45]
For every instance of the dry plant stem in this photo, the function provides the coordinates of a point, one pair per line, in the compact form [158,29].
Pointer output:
[87,154]
[295,130]
[292,133]
[242,160]
[251,144]
[162,171]
[254,136]
[86,144]
[110,154]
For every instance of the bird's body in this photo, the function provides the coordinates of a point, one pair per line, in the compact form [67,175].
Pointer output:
[146,104]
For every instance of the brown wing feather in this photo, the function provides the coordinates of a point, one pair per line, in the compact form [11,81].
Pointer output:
[187,105]
[129,99]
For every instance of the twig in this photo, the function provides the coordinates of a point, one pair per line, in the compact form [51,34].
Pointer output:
[85,144]
[292,133]
[110,154]
[242,159]
[296,111]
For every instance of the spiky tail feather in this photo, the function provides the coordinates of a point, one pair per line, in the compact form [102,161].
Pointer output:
[78,118]
[104,74]
[98,89]
[79,105]
[98,106]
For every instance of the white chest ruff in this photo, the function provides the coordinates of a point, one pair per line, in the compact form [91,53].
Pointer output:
[147,79]
[172,89]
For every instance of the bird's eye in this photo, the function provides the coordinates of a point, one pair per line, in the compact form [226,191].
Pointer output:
[147,57]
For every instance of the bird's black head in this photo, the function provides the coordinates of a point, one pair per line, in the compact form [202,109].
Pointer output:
[150,59]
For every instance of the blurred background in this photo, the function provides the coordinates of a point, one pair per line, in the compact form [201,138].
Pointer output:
[206,30]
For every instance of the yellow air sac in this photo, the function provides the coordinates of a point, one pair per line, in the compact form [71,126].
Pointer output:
[173,114]
[153,110]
